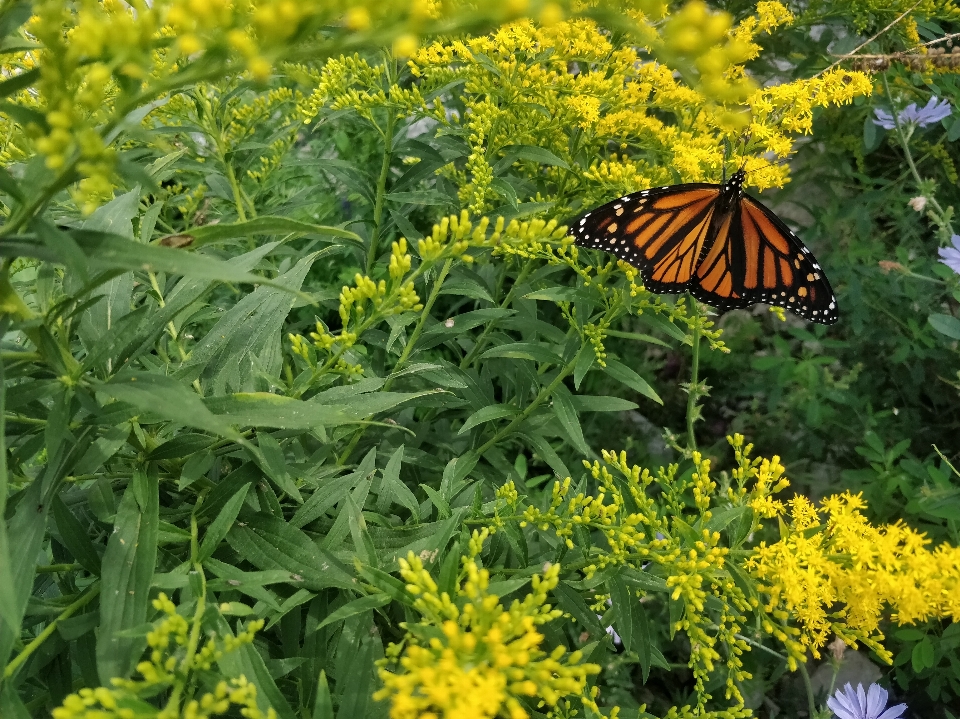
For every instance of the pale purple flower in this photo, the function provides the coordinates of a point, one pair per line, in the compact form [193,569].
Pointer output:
[851,703]
[610,630]
[933,111]
[950,256]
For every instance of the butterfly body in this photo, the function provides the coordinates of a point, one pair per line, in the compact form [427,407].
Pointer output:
[713,241]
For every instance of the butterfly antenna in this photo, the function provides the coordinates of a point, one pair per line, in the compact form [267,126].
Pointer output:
[726,154]
[744,139]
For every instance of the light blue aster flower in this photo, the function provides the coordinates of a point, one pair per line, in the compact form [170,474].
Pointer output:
[950,256]
[850,703]
[933,111]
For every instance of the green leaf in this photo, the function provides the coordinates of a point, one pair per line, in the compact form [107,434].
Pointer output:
[443,508]
[103,449]
[109,251]
[168,398]
[362,542]
[248,663]
[270,543]
[646,651]
[639,337]
[19,82]
[247,335]
[357,694]
[357,606]
[589,403]
[265,225]
[74,537]
[127,572]
[623,601]
[18,562]
[572,603]
[585,363]
[392,489]
[512,153]
[419,197]
[487,414]
[548,454]
[219,527]
[523,350]
[945,325]
[566,412]
[555,294]
[323,703]
[274,465]
[631,379]
[333,491]
[249,583]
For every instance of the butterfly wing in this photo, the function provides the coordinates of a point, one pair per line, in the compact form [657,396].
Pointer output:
[681,241]
[770,264]
[661,232]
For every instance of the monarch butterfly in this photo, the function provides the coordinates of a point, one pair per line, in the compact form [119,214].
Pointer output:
[715,242]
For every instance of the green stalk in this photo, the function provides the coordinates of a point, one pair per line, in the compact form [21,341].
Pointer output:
[904,138]
[427,306]
[28,650]
[194,639]
[693,392]
[481,340]
[405,355]
[544,393]
[811,701]
[381,190]
[235,186]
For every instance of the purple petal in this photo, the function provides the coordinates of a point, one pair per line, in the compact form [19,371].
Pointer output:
[909,114]
[884,119]
[840,710]
[933,112]
[862,695]
[893,712]
[876,700]
[844,704]
[955,239]
[950,257]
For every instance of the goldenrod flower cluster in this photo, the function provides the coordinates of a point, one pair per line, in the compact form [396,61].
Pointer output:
[101,59]
[172,665]
[367,302]
[473,658]
[831,556]
[693,561]
[830,573]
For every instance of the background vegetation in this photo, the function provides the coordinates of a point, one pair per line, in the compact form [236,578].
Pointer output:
[293,344]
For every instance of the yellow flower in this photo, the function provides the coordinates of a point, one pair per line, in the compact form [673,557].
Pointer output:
[481,659]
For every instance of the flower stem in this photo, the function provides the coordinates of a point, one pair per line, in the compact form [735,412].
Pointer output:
[537,401]
[693,391]
[938,214]
[381,190]
[811,701]
[92,591]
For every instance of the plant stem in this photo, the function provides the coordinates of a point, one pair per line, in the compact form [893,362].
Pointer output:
[405,355]
[57,568]
[537,401]
[381,190]
[904,138]
[85,598]
[427,306]
[811,702]
[235,186]
[481,340]
[693,392]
